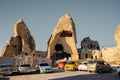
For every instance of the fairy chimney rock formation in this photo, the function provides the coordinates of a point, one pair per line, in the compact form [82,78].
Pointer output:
[22,41]
[112,54]
[117,36]
[63,39]
[21,30]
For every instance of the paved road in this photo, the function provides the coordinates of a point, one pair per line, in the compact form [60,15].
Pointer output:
[82,76]
[67,75]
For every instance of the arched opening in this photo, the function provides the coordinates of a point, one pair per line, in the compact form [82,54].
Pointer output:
[19,44]
[58,47]
[86,55]
[60,54]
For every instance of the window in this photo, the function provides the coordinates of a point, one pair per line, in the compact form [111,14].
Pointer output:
[44,64]
[86,55]
[14,46]
[66,34]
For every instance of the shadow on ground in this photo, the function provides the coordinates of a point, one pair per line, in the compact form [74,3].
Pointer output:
[34,72]
[105,76]
[4,79]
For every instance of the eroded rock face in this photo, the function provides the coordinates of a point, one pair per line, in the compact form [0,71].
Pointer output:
[20,29]
[11,48]
[63,40]
[112,54]
[117,36]
[22,41]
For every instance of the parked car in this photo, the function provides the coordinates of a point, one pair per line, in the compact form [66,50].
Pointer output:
[6,69]
[24,68]
[43,67]
[71,66]
[61,65]
[118,69]
[82,66]
[99,66]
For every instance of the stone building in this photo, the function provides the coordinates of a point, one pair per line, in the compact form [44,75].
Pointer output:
[62,43]
[112,54]
[89,49]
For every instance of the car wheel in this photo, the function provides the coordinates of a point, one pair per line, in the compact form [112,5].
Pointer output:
[37,71]
[99,71]
[79,69]
[90,71]
[110,70]
[74,69]
[58,67]
[119,73]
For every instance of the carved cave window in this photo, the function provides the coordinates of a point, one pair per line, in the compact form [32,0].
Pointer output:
[91,57]
[58,47]
[14,46]
[86,55]
[33,55]
[66,34]
[7,46]
[26,54]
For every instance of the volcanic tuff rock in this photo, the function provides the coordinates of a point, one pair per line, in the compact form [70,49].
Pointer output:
[117,35]
[21,30]
[63,38]
[22,41]
[112,54]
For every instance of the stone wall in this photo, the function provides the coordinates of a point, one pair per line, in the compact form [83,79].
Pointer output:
[111,55]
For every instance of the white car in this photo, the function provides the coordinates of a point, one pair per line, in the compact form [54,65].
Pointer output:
[43,67]
[6,69]
[82,66]
[24,68]
[118,69]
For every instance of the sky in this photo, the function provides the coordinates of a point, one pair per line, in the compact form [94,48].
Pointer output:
[97,19]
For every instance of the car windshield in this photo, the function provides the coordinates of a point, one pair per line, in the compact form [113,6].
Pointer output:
[62,62]
[92,61]
[70,62]
[25,65]
[6,65]
[44,64]
[1,66]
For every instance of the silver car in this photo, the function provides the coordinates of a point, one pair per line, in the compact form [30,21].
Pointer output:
[43,67]
[99,66]
[6,69]
[24,68]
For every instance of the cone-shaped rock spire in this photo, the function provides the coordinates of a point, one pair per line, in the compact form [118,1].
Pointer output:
[22,41]
[117,35]
[63,38]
